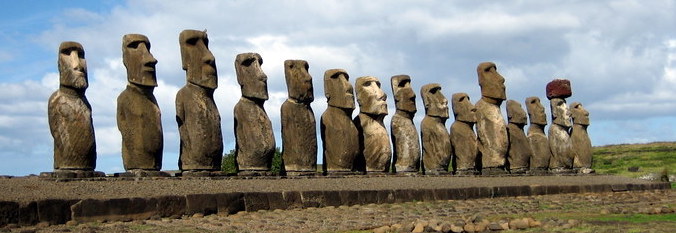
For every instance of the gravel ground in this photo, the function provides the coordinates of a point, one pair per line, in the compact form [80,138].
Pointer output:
[34,188]
[407,217]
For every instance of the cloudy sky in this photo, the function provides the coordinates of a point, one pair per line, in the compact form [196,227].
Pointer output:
[619,55]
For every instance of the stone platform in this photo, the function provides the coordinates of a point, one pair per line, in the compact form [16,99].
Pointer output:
[30,200]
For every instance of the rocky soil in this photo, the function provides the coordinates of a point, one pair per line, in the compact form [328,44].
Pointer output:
[550,213]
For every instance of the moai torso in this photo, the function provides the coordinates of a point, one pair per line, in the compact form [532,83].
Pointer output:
[436,141]
[560,143]
[580,138]
[404,134]
[539,143]
[199,122]
[463,138]
[519,153]
[255,145]
[491,128]
[374,140]
[299,130]
[138,115]
[69,113]
[340,138]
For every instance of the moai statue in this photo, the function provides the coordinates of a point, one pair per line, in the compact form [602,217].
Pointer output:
[519,153]
[340,138]
[491,129]
[404,134]
[138,115]
[374,140]
[559,138]
[539,144]
[580,139]
[463,138]
[255,145]
[436,141]
[70,116]
[299,130]
[199,123]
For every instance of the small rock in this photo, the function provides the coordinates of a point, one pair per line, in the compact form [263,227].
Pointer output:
[396,227]
[27,231]
[456,228]
[493,226]
[198,215]
[419,227]
[518,224]
[667,210]
[504,224]
[71,223]
[605,211]
[469,227]
[534,223]
[42,224]
[11,226]
[574,222]
[481,226]
[445,227]
[382,229]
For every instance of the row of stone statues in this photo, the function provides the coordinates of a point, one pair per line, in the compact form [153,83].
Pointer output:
[350,145]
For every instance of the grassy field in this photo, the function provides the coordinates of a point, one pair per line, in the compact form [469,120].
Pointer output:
[651,158]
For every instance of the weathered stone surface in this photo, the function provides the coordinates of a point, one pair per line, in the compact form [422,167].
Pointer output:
[580,138]
[558,88]
[255,145]
[539,143]
[121,209]
[404,133]
[199,122]
[299,128]
[138,115]
[463,137]
[491,129]
[560,143]
[436,141]
[374,141]
[340,138]
[70,115]
[519,153]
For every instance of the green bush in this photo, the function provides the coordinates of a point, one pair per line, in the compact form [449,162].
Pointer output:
[229,163]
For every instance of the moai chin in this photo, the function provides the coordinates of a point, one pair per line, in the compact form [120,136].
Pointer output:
[340,138]
[560,143]
[490,127]
[138,115]
[70,115]
[299,130]
[580,139]
[374,140]
[519,153]
[463,138]
[199,122]
[436,141]
[539,144]
[255,142]
[404,133]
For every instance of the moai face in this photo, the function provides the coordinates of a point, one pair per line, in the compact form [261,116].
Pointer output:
[404,96]
[198,62]
[337,89]
[579,114]
[560,113]
[435,102]
[463,109]
[536,112]
[371,98]
[72,66]
[515,113]
[298,81]
[138,60]
[250,76]
[491,82]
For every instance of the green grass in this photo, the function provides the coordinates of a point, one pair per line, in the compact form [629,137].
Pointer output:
[635,218]
[649,158]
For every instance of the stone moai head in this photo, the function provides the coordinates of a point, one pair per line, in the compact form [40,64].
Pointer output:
[72,66]
[298,81]
[404,96]
[435,102]
[491,82]
[370,96]
[536,112]
[579,114]
[515,113]
[250,76]
[463,109]
[558,88]
[138,60]
[197,60]
[337,89]
[560,113]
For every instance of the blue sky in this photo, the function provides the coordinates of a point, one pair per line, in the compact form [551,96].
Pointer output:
[619,55]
